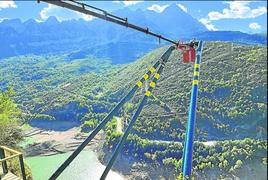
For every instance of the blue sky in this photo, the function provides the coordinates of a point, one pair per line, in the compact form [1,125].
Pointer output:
[242,16]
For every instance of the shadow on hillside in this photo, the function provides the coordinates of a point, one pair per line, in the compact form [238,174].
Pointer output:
[60,118]
[55,125]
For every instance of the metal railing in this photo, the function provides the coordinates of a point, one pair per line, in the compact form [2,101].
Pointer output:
[12,154]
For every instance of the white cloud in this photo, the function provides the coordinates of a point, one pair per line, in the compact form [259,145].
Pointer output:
[7,4]
[182,7]
[45,13]
[2,19]
[86,17]
[129,3]
[254,26]
[62,14]
[208,24]
[39,20]
[157,8]
[237,10]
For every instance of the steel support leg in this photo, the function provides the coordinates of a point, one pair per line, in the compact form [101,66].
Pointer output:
[189,139]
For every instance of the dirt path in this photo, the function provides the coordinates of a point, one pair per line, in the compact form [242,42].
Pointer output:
[210,143]
[119,124]
[206,143]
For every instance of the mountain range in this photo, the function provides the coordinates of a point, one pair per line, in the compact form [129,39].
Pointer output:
[104,39]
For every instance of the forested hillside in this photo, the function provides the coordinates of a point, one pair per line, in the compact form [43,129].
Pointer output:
[232,96]
[60,92]
[10,133]
[54,87]
[232,108]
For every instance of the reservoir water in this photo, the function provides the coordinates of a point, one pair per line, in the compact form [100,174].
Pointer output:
[85,167]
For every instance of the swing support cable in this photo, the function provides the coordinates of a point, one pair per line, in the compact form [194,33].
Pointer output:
[188,50]
[139,83]
[135,117]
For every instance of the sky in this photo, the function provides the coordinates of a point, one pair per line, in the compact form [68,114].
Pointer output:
[244,16]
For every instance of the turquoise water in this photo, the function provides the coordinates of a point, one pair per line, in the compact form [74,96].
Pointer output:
[85,167]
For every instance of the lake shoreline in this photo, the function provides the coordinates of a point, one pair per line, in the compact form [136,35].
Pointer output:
[47,142]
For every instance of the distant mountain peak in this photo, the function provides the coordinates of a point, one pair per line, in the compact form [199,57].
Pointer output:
[30,21]
[52,20]
[11,21]
[14,23]
[173,8]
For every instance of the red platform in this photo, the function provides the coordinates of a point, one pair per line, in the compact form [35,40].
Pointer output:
[188,53]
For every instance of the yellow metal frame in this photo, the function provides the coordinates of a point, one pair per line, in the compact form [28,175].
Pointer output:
[15,153]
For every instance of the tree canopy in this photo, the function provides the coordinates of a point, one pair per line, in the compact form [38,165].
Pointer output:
[10,133]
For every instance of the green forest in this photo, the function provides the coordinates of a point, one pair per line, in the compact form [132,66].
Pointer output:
[232,105]
[10,132]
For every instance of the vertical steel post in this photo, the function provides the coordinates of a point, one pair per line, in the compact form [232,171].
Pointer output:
[189,139]
[4,163]
[22,168]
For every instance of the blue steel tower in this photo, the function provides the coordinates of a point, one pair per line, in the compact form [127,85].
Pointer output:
[189,140]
